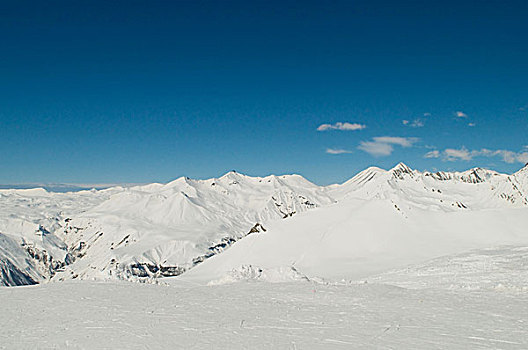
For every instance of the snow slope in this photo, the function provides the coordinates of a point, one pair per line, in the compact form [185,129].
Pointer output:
[163,230]
[356,238]
[423,312]
[30,250]
[377,219]
[145,231]
[383,220]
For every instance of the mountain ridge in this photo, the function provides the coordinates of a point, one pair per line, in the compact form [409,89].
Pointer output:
[158,230]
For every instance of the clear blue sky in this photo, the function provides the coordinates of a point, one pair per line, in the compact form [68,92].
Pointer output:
[141,91]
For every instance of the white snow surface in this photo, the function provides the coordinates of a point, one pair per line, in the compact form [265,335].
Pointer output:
[384,220]
[476,300]
[145,231]
[29,221]
[396,259]
[281,224]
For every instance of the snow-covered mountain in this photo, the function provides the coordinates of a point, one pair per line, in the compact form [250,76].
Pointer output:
[474,189]
[144,231]
[383,220]
[30,250]
[157,230]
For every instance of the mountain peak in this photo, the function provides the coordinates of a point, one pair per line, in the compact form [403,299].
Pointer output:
[399,170]
[231,175]
[523,170]
[402,168]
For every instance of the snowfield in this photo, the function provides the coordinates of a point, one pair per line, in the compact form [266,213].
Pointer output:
[391,259]
[477,300]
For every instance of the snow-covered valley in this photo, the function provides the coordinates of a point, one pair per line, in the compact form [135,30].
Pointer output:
[389,259]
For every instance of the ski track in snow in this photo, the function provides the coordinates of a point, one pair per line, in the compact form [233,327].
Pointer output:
[294,315]
[259,315]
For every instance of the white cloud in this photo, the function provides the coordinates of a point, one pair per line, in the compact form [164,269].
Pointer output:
[427,114]
[337,151]
[401,141]
[405,122]
[461,114]
[471,124]
[523,157]
[432,154]
[483,152]
[376,148]
[452,154]
[384,145]
[341,126]
[512,157]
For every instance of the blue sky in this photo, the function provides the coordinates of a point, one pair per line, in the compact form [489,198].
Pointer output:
[141,91]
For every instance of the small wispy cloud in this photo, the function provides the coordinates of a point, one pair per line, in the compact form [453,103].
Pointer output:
[337,151]
[401,141]
[376,148]
[461,114]
[471,124]
[384,145]
[346,126]
[432,154]
[416,123]
[454,154]
[512,157]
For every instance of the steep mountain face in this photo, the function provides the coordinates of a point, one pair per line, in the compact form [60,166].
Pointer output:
[160,230]
[521,178]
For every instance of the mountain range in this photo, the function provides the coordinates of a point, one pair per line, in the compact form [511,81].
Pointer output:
[274,228]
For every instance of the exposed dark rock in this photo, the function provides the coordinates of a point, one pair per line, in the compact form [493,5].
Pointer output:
[10,275]
[151,270]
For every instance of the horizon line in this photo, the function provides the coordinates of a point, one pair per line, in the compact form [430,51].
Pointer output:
[75,187]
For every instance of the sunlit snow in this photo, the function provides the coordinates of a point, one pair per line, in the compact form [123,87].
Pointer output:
[388,259]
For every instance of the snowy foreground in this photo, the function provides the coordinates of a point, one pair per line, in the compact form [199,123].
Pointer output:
[474,300]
